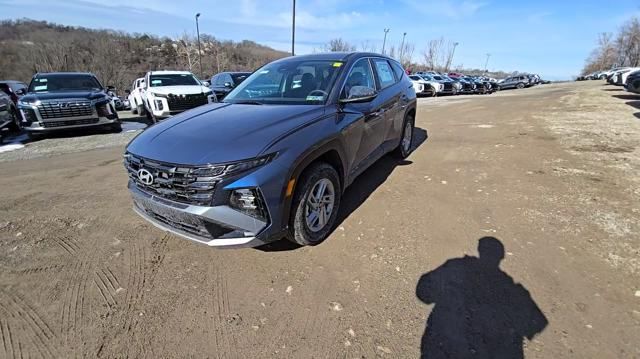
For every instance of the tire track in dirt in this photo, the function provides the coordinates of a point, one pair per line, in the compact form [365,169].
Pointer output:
[7,341]
[106,288]
[30,325]
[36,270]
[139,280]
[73,312]
[67,244]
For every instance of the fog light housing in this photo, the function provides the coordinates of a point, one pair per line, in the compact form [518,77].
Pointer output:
[159,105]
[248,201]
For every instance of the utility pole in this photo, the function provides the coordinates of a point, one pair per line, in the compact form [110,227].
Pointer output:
[199,50]
[402,46]
[453,52]
[486,63]
[293,31]
[384,42]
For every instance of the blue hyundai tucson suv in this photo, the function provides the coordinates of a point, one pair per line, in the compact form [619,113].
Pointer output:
[273,159]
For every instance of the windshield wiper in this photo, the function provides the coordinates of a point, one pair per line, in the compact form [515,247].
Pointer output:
[248,102]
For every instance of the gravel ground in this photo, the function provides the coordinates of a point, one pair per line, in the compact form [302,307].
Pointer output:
[511,230]
[19,147]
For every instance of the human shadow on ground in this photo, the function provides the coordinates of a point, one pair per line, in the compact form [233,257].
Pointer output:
[479,312]
[361,188]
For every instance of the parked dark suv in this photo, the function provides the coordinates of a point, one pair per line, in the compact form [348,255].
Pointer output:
[273,159]
[225,82]
[9,110]
[66,100]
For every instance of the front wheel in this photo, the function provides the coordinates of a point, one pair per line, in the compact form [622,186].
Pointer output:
[315,205]
[406,141]
[520,85]
[15,121]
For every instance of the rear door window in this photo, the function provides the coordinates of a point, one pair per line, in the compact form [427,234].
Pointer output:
[385,74]
[398,70]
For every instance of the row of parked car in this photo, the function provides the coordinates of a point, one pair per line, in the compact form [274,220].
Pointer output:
[66,100]
[431,83]
[629,77]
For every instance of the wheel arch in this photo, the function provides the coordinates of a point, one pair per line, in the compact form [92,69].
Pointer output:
[330,153]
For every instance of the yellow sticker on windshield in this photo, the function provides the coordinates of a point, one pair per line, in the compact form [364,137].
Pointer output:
[337,64]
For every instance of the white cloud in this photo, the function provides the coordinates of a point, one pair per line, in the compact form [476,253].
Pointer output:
[306,20]
[451,8]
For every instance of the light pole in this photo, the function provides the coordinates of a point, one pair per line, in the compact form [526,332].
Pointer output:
[293,30]
[486,63]
[199,50]
[384,42]
[453,52]
[402,46]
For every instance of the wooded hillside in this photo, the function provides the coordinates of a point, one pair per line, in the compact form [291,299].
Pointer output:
[116,57]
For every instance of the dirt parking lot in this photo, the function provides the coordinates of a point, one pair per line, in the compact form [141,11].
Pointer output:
[544,180]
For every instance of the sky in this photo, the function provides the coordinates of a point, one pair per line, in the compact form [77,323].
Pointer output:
[549,37]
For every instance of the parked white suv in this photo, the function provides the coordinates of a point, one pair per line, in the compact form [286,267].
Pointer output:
[135,96]
[167,93]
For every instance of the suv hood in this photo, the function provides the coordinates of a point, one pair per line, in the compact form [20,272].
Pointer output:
[221,132]
[179,90]
[61,95]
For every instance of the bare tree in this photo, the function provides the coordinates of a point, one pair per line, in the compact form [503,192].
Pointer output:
[450,48]
[368,46]
[338,45]
[624,50]
[433,54]
[405,54]
[187,52]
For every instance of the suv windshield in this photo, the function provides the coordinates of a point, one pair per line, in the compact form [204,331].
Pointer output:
[173,80]
[293,82]
[239,77]
[70,82]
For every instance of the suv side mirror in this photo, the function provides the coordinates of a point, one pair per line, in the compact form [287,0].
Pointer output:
[227,84]
[110,87]
[206,83]
[21,92]
[128,92]
[360,94]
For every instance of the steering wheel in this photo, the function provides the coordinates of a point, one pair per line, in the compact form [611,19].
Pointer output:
[324,93]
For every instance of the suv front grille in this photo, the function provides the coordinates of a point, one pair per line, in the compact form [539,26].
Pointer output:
[448,86]
[175,182]
[50,124]
[186,102]
[61,109]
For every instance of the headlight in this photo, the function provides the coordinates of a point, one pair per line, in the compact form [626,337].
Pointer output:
[247,165]
[26,103]
[155,94]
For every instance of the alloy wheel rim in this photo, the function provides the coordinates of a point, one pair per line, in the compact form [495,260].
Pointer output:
[406,139]
[319,206]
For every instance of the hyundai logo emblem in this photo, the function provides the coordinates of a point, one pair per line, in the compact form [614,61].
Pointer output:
[145,177]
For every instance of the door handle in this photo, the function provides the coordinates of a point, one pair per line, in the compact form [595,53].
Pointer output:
[373,115]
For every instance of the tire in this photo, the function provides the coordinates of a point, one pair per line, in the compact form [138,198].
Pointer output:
[301,223]
[116,127]
[141,110]
[34,136]
[15,121]
[406,140]
[520,85]
[150,117]
[134,109]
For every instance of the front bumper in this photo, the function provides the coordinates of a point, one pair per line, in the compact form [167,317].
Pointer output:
[217,226]
[161,108]
[68,123]
[34,121]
